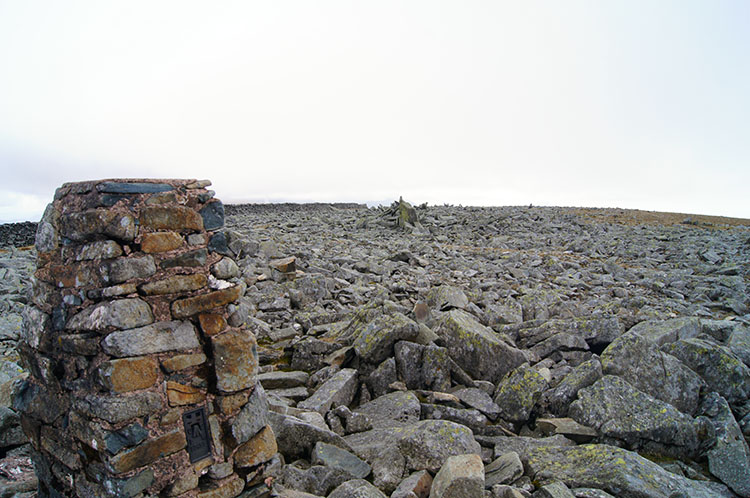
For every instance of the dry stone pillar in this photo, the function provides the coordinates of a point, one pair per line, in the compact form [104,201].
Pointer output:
[138,384]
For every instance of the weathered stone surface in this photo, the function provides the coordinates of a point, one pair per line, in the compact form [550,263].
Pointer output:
[235,360]
[566,391]
[130,486]
[461,476]
[665,331]
[555,490]
[157,338]
[156,242]
[427,444]
[187,307]
[518,393]
[476,398]
[258,449]
[333,456]
[717,366]
[191,259]
[228,488]
[280,380]
[225,268]
[296,438]
[133,187]
[36,328]
[356,488]
[100,249]
[129,374]
[35,401]
[566,427]
[212,323]
[117,409]
[183,361]
[739,344]
[505,469]
[417,485]
[170,218]
[446,297]
[87,224]
[618,410]
[176,284]
[213,215]
[121,270]
[182,394]
[640,362]
[120,314]
[619,472]
[318,480]
[126,437]
[394,409]
[47,237]
[11,433]
[251,419]
[471,418]
[476,348]
[337,391]
[148,452]
[523,445]
[729,459]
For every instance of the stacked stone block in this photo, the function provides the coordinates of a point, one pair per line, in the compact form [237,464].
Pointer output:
[139,385]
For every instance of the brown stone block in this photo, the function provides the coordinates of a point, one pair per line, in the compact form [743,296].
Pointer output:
[129,374]
[285,265]
[212,323]
[174,284]
[229,488]
[260,448]
[183,361]
[74,275]
[160,241]
[235,360]
[232,403]
[184,308]
[171,218]
[181,394]
[148,452]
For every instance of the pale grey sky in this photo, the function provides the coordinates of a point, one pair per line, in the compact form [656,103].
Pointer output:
[631,103]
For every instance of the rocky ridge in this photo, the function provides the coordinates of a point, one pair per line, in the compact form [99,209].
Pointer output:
[501,352]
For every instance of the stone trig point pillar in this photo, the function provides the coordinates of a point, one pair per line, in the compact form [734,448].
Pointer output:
[137,382]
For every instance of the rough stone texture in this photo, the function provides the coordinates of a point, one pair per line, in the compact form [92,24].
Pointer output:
[375,342]
[505,469]
[518,393]
[717,366]
[427,444]
[617,471]
[156,242]
[566,391]
[417,485]
[618,410]
[184,308]
[729,459]
[337,391]
[235,359]
[157,338]
[640,362]
[296,438]
[120,314]
[129,374]
[461,476]
[118,347]
[356,488]
[333,456]
[476,348]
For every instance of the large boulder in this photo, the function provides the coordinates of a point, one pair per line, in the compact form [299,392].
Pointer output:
[620,411]
[640,362]
[518,393]
[665,331]
[619,472]
[717,365]
[477,349]
[729,458]
[566,391]
[375,342]
[427,444]
[461,476]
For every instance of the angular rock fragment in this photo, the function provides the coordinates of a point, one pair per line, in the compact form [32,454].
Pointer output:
[339,390]
[461,476]
[427,444]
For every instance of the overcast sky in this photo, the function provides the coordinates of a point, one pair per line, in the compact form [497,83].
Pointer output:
[633,104]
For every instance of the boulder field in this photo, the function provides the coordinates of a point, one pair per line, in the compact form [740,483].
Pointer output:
[448,351]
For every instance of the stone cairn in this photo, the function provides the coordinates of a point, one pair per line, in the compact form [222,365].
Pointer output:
[141,382]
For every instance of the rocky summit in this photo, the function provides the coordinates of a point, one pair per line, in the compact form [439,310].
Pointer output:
[443,351]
